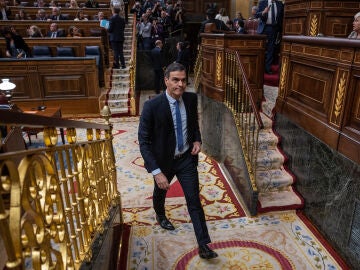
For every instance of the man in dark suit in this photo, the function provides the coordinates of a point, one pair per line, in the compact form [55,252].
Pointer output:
[170,141]
[158,65]
[271,13]
[54,32]
[116,30]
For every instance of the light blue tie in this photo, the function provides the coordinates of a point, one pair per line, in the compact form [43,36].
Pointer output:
[180,139]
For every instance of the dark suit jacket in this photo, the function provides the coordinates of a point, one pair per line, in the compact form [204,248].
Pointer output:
[157,58]
[59,33]
[156,133]
[58,18]
[279,17]
[116,28]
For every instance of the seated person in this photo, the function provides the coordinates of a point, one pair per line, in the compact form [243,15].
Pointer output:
[54,32]
[91,4]
[80,16]
[40,4]
[41,15]
[100,16]
[356,27]
[74,32]
[22,15]
[34,31]
[56,15]
[15,44]
[73,4]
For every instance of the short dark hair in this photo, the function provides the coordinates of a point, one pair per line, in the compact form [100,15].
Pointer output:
[116,10]
[174,67]
[211,13]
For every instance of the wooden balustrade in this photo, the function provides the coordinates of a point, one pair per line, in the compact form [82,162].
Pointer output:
[71,83]
[318,89]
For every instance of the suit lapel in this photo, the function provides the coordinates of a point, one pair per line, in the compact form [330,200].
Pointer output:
[167,111]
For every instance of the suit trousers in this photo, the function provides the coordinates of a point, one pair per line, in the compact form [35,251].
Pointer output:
[118,51]
[271,33]
[185,170]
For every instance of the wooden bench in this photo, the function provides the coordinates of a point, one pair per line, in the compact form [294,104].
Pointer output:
[70,12]
[71,83]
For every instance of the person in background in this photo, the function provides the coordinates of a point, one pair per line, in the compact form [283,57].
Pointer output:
[239,27]
[34,32]
[80,16]
[184,56]
[126,10]
[230,25]
[74,32]
[157,30]
[91,4]
[238,17]
[170,142]
[5,11]
[22,15]
[41,15]
[54,32]
[144,30]
[41,4]
[270,13]
[56,15]
[252,23]
[73,4]
[210,18]
[356,27]
[16,47]
[137,10]
[100,16]
[158,65]
[116,30]
[222,15]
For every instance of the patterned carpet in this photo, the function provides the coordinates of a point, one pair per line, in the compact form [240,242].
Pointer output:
[277,240]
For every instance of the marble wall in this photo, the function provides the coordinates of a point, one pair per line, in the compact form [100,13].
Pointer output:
[221,141]
[330,185]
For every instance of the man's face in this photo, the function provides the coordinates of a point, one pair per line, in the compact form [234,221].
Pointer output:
[176,84]
[53,27]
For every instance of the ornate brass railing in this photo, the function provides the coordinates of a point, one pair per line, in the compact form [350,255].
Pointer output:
[198,68]
[55,199]
[240,100]
[133,69]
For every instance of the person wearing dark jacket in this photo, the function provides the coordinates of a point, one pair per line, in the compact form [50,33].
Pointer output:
[15,44]
[170,142]
[158,65]
[116,30]
[210,14]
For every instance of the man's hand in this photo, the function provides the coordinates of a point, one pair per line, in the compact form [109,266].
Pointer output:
[162,181]
[196,148]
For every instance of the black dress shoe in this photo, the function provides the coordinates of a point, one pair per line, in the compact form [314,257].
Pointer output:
[165,223]
[206,253]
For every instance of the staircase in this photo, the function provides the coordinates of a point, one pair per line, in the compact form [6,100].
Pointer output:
[273,180]
[117,96]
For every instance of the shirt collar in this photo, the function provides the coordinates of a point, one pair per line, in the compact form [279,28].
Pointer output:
[171,99]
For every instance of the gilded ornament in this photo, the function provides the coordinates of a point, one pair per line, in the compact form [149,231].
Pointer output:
[340,96]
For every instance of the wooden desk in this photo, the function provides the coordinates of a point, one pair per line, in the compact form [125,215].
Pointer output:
[49,112]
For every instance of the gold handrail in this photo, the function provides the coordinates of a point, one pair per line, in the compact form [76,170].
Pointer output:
[55,199]
[198,69]
[240,100]
[133,69]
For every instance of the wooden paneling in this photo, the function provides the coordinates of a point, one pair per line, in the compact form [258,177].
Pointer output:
[319,89]
[69,83]
[252,51]
[313,17]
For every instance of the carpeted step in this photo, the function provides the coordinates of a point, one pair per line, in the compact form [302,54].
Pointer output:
[269,159]
[118,94]
[267,140]
[279,200]
[273,180]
